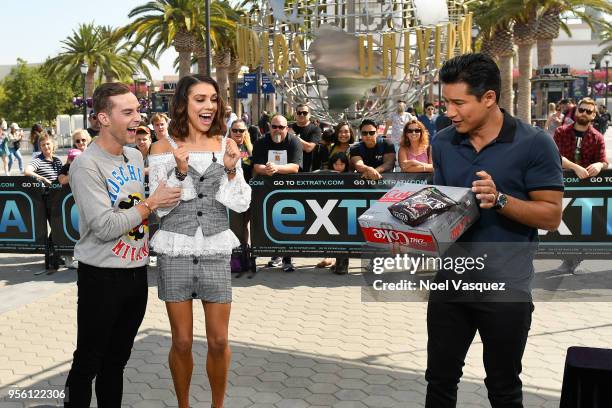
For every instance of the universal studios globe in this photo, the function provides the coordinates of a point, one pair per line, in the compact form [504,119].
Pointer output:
[353,59]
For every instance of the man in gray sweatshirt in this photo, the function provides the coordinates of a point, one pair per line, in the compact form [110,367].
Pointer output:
[107,181]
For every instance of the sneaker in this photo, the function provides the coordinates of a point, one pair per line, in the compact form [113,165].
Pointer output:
[275,262]
[288,267]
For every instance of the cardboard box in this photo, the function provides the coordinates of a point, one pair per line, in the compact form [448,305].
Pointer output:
[434,236]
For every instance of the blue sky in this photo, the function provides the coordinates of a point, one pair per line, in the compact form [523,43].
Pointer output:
[32,29]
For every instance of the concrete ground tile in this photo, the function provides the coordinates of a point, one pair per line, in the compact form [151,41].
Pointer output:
[352,373]
[237,391]
[294,393]
[237,402]
[269,386]
[245,381]
[379,401]
[351,384]
[350,395]
[292,403]
[272,376]
[349,404]
[298,382]
[149,404]
[323,388]
[378,379]
[249,370]
[322,399]
[265,397]
[300,372]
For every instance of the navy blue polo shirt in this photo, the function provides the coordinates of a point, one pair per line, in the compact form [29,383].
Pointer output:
[521,159]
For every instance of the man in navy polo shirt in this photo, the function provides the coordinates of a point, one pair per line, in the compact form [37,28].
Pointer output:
[515,171]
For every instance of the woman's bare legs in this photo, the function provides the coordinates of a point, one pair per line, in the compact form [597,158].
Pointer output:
[180,357]
[219,353]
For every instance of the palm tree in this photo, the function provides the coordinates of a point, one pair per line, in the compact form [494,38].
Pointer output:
[160,24]
[497,40]
[525,25]
[550,22]
[605,34]
[83,46]
[128,58]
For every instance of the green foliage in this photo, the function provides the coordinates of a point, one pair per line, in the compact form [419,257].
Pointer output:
[31,96]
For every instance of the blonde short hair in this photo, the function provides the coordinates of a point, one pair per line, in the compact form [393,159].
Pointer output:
[81,132]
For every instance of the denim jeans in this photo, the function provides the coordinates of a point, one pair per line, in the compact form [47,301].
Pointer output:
[17,154]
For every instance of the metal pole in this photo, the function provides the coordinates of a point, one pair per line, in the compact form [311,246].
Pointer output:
[607,83]
[259,91]
[84,102]
[592,83]
[208,50]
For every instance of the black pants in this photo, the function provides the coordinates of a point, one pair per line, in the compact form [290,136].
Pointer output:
[111,306]
[451,326]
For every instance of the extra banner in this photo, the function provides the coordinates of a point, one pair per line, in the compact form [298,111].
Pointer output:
[315,215]
[309,215]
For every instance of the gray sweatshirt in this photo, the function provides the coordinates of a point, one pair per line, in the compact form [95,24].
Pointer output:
[106,190]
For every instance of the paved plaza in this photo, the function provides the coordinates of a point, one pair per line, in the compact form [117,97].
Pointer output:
[303,339]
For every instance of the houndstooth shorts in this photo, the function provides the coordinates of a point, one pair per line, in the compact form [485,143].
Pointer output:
[184,278]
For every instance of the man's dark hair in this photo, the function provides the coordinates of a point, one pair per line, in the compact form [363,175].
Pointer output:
[302,105]
[366,122]
[428,104]
[477,70]
[179,126]
[103,93]
[563,102]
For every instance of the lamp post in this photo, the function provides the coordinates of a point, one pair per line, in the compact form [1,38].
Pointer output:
[592,66]
[135,78]
[84,68]
[607,60]
[208,50]
[148,83]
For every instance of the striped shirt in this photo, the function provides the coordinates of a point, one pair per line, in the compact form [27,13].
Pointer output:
[49,169]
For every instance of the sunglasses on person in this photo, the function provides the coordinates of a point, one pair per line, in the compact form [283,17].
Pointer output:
[279,127]
[583,110]
[238,130]
[413,130]
[368,132]
[80,141]
[302,113]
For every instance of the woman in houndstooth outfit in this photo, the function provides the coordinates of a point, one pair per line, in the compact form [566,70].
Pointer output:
[194,242]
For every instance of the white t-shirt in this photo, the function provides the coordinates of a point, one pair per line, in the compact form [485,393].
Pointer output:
[397,125]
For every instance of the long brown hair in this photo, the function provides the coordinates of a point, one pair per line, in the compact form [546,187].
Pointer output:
[179,125]
[423,140]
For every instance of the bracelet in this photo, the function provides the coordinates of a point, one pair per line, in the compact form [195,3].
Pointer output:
[180,176]
[144,202]
[230,171]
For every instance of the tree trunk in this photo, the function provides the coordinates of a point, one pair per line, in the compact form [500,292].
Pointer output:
[544,52]
[505,67]
[232,77]
[89,81]
[222,62]
[221,75]
[184,63]
[524,83]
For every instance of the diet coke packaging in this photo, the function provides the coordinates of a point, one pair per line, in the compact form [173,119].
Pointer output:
[433,236]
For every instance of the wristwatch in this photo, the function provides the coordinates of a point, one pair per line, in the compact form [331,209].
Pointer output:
[179,176]
[501,201]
